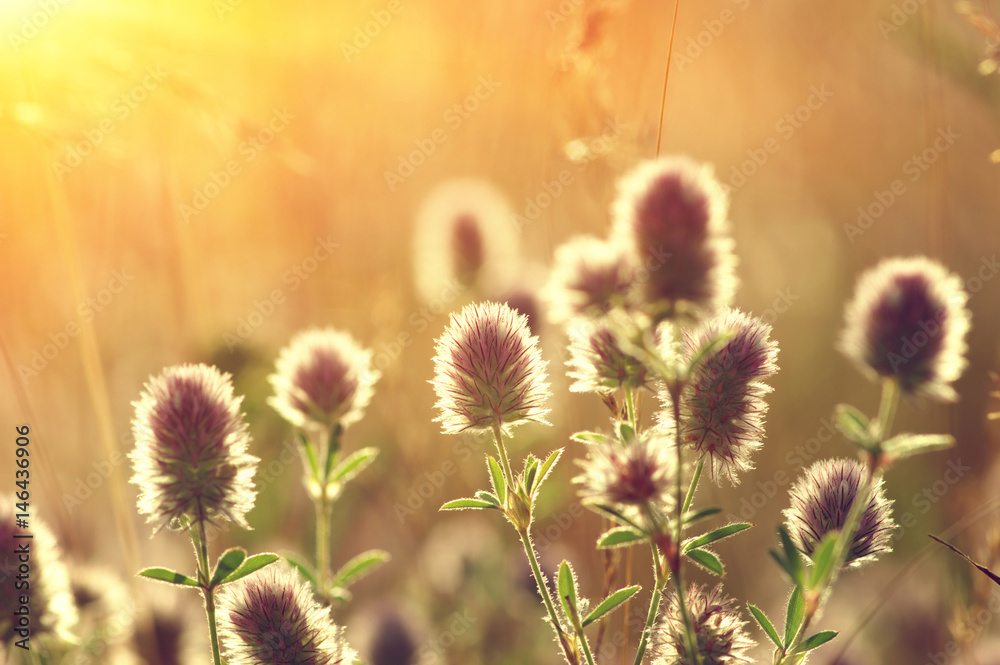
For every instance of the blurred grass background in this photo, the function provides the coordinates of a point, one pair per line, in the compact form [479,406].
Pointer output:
[163,96]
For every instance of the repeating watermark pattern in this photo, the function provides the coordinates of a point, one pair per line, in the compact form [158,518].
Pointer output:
[224,8]
[455,626]
[901,13]
[366,34]
[551,190]
[912,169]
[713,29]
[119,111]
[966,632]
[87,310]
[786,127]
[33,23]
[248,150]
[562,12]
[264,308]
[453,118]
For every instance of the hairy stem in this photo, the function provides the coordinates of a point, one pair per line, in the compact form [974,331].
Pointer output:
[678,566]
[543,588]
[205,579]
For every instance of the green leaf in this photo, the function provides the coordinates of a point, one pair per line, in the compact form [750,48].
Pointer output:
[698,515]
[718,534]
[355,463]
[590,437]
[496,475]
[229,561]
[619,536]
[766,625]
[610,603]
[333,448]
[626,432]
[706,559]
[823,559]
[251,565]
[852,424]
[530,472]
[793,557]
[610,511]
[489,497]
[167,575]
[467,504]
[310,449]
[907,445]
[794,614]
[567,590]
[359,566]
[547,465]
[817,640]
[298,564]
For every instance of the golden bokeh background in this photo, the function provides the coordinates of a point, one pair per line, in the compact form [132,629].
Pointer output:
[197,180]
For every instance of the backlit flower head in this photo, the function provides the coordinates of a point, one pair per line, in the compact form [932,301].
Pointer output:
[488,370]
[723,407]
[107,613]
[908,321]
[718,631]
[589,277]
[597,363]
[465,238]
[671,215]
[633,473]
[51,610]
[190,458]
[821,499]
[323,378]
[271,617]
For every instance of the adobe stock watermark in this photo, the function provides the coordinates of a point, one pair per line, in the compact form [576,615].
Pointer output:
[967,630]
[87,310]
[455,626]
[913,168]
[785,127]
[365,34]
[551,190]
[119,111]
[901,13]
[249,149]
[294,277]
[712,30]
[34,22]
[453,118]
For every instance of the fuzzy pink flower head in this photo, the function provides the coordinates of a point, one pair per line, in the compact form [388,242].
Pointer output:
[723,408]
[598,363]
[634,473]
[488,370]
[323,378]
[589,277]
[718,630]
[908,321]
[271,618]
[820,501]
[51,608]
[671,215]
[190,457]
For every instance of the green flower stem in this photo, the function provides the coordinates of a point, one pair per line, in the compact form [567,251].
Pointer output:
[630,407]
[504,460]
[582,639]
[654,606]
[543,588]
[691,644]
[324,511]
[205,578]
[819,595]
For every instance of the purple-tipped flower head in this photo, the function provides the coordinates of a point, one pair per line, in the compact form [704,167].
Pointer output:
[323,378]
[821,499]
[597,363]
[908,322]
[635,473]
[190,458]
[589,277]
[272,618]
[718,631]
[671,215]
[51,610]
[488,370]
[723,408]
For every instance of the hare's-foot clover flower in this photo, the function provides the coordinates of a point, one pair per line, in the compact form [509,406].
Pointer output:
[323,378]
[272,617]
[190,458]
[723,408]
[488,370]
[908,322]
[718,631]
[634,473]
[589,277]
[671,216]
[597,363]
[821,500]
